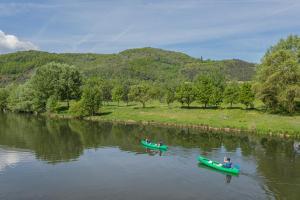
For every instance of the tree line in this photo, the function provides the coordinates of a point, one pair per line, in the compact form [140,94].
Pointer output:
[55,82]
[276,84]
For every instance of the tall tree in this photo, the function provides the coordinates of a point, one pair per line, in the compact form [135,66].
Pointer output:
[246,95]
[210,87]
[278,78]
[204,89]
[70,81]
[231,93]
[55,79]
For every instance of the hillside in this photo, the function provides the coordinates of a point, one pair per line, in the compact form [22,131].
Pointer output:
[139,64]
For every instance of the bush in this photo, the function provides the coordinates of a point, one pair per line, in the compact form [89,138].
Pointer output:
[51,105]
[76,109]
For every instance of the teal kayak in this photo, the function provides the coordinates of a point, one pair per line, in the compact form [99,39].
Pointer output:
[217,165]
[154,145]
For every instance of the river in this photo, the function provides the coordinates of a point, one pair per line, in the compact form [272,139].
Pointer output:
[42,158]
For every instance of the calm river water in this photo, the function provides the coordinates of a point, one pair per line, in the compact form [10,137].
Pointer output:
[44,158]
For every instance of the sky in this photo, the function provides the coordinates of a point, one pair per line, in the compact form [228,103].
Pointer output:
[213,29]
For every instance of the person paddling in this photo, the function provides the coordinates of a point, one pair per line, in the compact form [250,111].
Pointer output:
[147,140]
[160,143]
[227,163]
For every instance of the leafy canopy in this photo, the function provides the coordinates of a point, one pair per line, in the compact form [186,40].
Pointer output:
[278,77]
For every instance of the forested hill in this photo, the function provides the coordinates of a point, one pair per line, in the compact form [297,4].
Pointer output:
[137,64]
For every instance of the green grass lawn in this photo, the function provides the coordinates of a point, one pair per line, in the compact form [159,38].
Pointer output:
[220,118]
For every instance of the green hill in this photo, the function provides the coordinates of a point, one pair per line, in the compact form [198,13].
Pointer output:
[138,64]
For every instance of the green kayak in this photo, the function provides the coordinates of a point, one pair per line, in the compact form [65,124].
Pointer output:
[154,146]
[217,165]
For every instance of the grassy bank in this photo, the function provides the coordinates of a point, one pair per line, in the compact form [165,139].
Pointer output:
[235,118]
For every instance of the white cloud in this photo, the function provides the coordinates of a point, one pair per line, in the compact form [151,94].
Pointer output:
[9,43]
[10,158]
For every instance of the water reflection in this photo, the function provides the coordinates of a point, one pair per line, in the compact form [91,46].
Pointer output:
[153,152]
[275,161]
[297,146]
[65,140]
[10,157]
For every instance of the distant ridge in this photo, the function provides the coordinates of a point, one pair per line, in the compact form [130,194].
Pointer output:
[149,64]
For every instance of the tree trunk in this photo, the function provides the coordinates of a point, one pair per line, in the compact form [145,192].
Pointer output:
[143,104]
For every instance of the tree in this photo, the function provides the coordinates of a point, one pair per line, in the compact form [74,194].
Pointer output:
[231,93]
[45,82]
[117,93]
[204,89]
[246,95]
[216,97]
[126,89]
[157,92]
[3,99]
[210,87]
[185,93]
[70,81]
[22,99]
[91,96]
[55,79]
[106,88]
[140,93]
[170,96]
[278,77]
[287,98]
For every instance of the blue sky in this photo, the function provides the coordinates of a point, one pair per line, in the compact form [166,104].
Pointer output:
[215,29]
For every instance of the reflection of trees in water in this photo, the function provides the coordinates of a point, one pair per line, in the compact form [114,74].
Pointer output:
[279,164]
[50,140]
[65,140]
[62,140]
[247,146]
[92,135]
[57,143]
[231,143]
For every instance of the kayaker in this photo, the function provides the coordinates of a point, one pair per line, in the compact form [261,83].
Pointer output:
[160,144]
[147,140]
[227,163]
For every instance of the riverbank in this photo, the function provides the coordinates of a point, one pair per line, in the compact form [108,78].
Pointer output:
[222,120]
